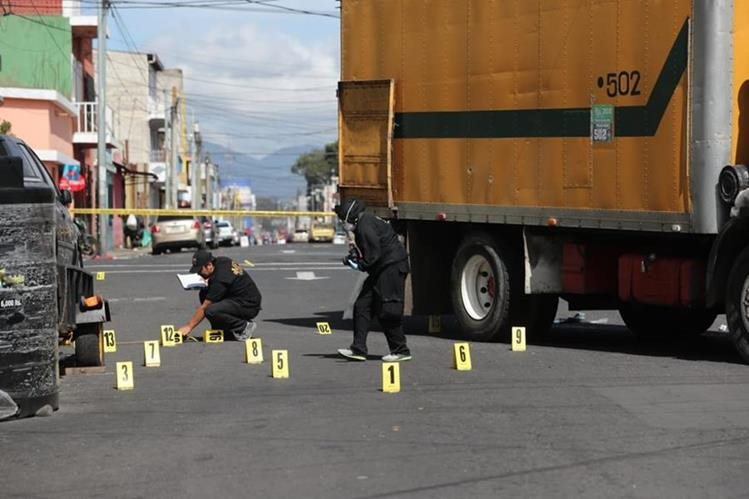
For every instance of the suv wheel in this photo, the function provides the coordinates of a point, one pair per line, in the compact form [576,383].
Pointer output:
[89,350]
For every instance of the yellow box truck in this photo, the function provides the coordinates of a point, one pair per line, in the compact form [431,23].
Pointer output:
[592,150]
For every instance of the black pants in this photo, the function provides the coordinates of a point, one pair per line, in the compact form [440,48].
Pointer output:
[229,315]
[382,296]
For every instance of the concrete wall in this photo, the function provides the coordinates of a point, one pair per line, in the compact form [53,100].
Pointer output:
[36,55]
[41,124]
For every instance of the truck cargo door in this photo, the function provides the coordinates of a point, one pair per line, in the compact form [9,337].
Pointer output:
[365,131]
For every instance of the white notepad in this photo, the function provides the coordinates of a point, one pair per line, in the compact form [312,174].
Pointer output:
[191,281]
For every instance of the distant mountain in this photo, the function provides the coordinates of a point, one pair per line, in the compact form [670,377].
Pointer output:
[268,177]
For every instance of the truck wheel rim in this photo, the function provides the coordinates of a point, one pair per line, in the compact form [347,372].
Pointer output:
[478,287]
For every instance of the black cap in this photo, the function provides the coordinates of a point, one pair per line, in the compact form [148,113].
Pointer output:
[200,258]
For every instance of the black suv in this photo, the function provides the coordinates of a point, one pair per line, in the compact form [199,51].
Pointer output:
[42,281]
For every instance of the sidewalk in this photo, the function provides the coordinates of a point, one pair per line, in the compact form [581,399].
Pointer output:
[121,254]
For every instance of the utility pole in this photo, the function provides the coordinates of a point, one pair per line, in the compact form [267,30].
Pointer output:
[101,147]
[209,185]
[173,153]
[196,169]
[167,154]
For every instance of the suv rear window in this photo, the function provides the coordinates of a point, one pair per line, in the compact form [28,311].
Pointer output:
[28,165]
[169,218]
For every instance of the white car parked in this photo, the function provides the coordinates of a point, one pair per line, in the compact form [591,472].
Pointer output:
[226,234]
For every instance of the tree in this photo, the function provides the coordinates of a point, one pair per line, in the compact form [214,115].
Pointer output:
[317,166]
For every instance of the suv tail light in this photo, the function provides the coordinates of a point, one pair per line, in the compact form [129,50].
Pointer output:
[155,229]
[196,225]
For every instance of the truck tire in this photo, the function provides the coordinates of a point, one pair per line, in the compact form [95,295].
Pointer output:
[665,322]
[480,288]
[737,304]
[89,351]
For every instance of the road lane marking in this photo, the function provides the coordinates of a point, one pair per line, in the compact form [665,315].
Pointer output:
[275,269]
[182,266]
[139,299]
[306,276]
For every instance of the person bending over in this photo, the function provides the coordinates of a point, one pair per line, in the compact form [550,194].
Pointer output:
[230,302]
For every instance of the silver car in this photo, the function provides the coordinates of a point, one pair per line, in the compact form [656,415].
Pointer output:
[175,232]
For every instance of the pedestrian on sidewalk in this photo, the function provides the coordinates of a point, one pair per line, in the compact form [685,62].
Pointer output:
[230,301]
[380,253]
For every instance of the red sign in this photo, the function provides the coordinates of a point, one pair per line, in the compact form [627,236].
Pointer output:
[72,179]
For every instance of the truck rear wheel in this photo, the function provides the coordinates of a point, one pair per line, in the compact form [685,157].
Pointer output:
[737,304]
[665,322]
[480,288]
[89,350]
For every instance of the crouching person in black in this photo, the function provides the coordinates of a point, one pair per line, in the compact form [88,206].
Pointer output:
[381,254]
[230,302]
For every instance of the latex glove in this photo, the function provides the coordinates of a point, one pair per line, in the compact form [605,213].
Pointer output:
[351,262]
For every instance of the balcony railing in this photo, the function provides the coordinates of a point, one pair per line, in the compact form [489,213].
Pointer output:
[158,156]
[88,118]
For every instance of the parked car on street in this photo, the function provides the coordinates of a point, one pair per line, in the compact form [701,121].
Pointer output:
[321,232]
[300,236]
[340,237]
[45,293]
[174,232]
[227,236]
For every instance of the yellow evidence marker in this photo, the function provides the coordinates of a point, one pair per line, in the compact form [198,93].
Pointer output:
[213,336]
[110,341]
[151,352]
[518,339]
[323,328]
[280,364]
[462,356]
[253,349]
[435,324]
[100,276]
[391,377]
[124,376]
[167,335]
[178,340]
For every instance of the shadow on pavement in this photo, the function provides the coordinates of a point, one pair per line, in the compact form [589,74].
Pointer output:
[335,356]
[711,346]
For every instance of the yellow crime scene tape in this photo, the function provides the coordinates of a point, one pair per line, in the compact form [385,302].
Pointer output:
[200,213]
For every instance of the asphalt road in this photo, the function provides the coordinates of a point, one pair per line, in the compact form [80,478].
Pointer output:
[589,413]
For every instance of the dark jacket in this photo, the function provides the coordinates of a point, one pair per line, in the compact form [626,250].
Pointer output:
[378,243]
[229,281]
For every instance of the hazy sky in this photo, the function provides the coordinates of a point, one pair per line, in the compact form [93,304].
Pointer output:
[256,81]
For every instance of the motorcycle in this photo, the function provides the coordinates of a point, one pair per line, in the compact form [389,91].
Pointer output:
[87,243]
